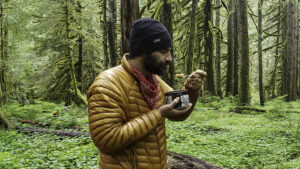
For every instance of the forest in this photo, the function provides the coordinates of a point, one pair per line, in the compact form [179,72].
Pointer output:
[248,112]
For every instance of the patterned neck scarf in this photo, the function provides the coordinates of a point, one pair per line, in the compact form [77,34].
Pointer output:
[149,88]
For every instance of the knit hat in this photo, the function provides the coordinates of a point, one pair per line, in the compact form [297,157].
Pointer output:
[148,35]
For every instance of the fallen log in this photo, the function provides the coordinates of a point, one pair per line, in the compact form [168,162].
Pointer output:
[182,161]
[241,109]
[38,124]
[55,132]
[34,123]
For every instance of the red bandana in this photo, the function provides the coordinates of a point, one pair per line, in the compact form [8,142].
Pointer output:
[149,88]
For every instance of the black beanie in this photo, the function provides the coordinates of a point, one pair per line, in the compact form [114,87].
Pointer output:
[148,35]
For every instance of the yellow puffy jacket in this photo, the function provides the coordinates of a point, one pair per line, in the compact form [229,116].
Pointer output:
[127,132]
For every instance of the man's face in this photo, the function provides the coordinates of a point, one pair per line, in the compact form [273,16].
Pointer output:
[157,61]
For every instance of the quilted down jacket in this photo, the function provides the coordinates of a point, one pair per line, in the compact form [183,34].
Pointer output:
[127,132]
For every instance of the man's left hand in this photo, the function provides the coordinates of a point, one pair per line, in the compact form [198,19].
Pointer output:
[195,81]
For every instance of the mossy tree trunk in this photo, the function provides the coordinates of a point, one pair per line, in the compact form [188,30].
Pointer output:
[297,62]
[272,85]
[4,122]
[230,50]
[292,42]
[260,64]
[218,52]
[236,53]
[243,41]
[284,52]
[112,33]
[167,20]
[4,54]
[190,53]
[103,22]
[130,11]
[70,57]
[80,49]
[2,61]
[208,50]
[68,46]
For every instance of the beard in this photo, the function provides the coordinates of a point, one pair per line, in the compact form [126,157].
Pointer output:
[153,66]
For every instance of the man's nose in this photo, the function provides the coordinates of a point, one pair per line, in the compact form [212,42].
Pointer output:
[169,57]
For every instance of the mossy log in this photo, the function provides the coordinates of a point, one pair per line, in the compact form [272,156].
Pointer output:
[34,123]
[241,109]
[38,124]
[4,122]
[180,161]
[54,132]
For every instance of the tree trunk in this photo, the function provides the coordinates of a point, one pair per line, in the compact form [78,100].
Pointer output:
[292,22]
[191,38]
[284,53]
[4,122]
[167,20]
[2,63]
[230,50]
[80,50]
[208,50]
[236,53]
[130,11]
[298,57]
[243,40]
[260,64]
[298,54]
[272,85]
[80,61]
[68,46]
[4,55]
[69,56]
[218,53]
[273,79]
[112,33]
[296,85]
[296,42]
[104,34]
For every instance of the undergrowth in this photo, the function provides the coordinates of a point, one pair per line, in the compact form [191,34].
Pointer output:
[58,116]
[218,135]
[214,132]
[37,151]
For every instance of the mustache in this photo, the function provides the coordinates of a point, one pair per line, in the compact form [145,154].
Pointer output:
[167,63]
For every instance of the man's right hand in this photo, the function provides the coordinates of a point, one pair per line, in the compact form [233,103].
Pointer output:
[168,110]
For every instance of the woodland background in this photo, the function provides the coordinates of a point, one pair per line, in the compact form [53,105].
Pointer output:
[51,51]
[54,49]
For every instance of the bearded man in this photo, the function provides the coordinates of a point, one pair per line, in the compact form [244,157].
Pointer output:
[126,103]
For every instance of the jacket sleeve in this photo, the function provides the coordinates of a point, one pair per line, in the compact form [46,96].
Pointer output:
[110,130]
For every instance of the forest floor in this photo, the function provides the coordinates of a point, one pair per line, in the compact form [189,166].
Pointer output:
[214,133]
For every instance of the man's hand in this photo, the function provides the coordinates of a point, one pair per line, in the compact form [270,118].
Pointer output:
[168,110]
[195,81]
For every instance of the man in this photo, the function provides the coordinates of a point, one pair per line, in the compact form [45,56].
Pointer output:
[126,103]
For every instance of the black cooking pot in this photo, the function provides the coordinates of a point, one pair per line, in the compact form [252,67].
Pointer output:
[182,94]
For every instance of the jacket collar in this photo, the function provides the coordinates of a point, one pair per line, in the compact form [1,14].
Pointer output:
[125,64]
